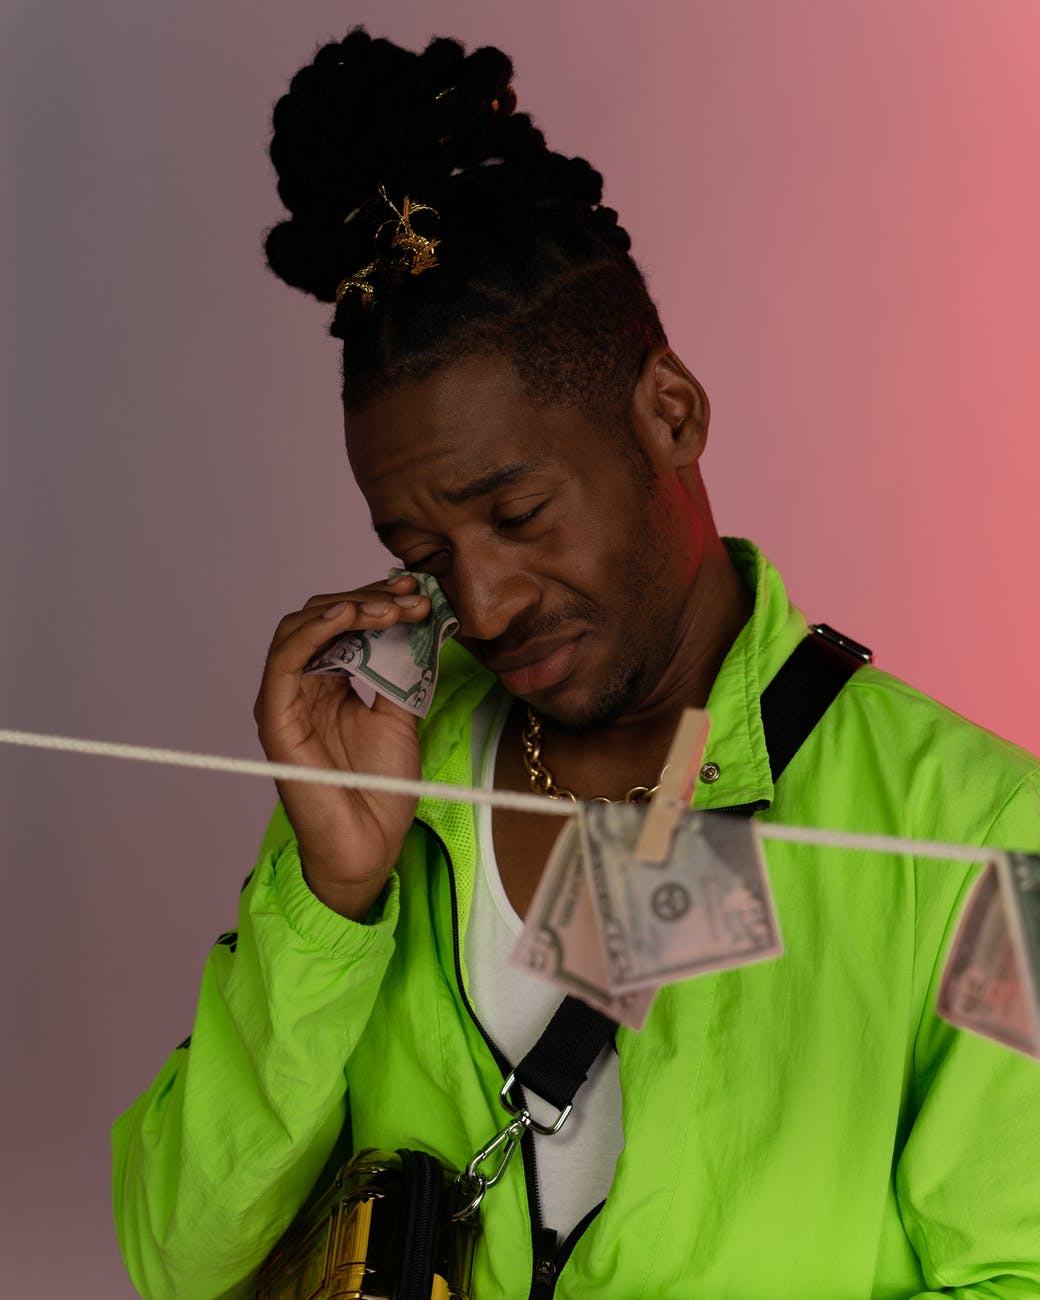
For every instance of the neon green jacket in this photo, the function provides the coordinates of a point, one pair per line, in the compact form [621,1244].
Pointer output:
[801,1129]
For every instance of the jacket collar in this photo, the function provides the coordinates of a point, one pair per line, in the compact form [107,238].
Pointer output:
[737,744]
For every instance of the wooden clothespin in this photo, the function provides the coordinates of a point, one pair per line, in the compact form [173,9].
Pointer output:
[676,789]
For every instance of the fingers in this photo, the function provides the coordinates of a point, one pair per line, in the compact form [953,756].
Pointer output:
[324,618]
[332,615]
[403,586]
[297,640]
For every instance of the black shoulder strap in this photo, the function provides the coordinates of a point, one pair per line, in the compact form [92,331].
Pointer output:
[800,693]
[792,704]
[560,1061]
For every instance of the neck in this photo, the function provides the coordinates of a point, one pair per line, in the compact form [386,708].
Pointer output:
[630,750]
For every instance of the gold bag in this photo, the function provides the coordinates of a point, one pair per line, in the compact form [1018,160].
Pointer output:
[383,1230]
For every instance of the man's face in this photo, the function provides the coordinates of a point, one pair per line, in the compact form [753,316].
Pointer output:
[566,557]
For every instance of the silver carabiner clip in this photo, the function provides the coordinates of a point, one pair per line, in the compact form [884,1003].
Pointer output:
[508,1139]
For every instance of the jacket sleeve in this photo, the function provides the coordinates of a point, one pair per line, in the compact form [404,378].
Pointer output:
[212,1162]
[968,1180]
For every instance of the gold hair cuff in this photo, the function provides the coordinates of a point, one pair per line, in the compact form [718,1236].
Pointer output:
[408,250]
[361,281]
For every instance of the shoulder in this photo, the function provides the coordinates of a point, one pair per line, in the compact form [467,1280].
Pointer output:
[893,708]
[955,773]
[888,758]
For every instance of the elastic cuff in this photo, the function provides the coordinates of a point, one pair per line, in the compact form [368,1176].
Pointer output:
[320,925]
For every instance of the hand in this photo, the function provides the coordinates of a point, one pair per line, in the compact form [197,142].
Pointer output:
[349,839]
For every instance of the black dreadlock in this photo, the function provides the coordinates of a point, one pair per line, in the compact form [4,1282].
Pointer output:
[530,264]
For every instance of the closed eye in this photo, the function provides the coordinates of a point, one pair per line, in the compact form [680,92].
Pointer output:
[417,566]
[515,521]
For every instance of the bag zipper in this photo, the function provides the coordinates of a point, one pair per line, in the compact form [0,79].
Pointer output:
[516,1095]
[422,1184]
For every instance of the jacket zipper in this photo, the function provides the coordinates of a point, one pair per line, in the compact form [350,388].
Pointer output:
[546,1267]
[549,1265]
[739,809]
[561,1254]
[534,1203]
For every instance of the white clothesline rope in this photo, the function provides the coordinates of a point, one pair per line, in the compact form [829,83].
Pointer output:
[292,772]
[512,799]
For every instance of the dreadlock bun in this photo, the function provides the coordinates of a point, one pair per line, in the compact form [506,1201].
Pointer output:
[528,260]
[440,125]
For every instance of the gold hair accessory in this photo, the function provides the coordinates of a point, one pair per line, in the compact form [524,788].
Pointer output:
[495,103]
[406,240]
[448,90]
[408,249]
[361,281]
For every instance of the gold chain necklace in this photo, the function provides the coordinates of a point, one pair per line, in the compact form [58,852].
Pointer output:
[541,778]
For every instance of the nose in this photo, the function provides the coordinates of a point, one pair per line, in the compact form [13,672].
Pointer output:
[488,591]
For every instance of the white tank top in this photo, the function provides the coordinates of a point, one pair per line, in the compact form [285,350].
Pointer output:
[575,1166]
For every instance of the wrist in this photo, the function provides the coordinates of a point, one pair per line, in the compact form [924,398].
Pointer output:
[355,900]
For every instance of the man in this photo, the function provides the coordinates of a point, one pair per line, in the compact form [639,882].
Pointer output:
[806,1127]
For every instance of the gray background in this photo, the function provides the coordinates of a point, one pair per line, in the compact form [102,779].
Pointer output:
[836,205]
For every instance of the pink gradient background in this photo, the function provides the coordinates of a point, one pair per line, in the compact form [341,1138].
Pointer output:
[837,207]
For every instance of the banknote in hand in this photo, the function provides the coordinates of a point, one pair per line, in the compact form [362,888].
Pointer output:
[399,662]
[991,980]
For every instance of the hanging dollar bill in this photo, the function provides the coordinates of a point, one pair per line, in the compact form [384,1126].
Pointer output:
[560,941]
[610,928]
[400,662]
[991,980]
[707,907]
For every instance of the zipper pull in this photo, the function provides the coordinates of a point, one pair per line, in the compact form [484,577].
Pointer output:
[545,1266]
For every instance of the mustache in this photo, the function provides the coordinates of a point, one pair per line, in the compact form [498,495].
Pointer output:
[538,628]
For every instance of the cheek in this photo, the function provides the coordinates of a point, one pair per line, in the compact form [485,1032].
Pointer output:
[617,554]
[623,531]
[598,563]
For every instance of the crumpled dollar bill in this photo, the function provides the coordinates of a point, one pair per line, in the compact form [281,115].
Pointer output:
[399,662]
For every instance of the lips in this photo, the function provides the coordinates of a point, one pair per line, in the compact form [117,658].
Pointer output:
[536,667]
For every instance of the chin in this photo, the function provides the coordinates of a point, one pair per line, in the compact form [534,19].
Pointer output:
[577,710]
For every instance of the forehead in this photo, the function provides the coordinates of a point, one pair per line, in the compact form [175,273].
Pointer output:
[462,423]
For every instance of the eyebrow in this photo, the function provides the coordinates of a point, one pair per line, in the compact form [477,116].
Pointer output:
[504,476]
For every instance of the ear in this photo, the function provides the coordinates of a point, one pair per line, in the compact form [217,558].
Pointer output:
[670,410]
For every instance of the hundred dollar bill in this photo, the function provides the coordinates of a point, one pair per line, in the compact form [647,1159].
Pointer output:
[560,942]
[708,907]
[399,662]
[991,980]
